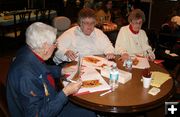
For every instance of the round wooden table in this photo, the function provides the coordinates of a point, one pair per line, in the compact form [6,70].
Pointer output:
[129,97]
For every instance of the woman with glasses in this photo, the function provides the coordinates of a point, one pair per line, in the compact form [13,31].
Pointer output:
[132,40]
[84,39]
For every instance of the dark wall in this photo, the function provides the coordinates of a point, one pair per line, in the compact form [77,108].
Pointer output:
[12,4]
[161,9]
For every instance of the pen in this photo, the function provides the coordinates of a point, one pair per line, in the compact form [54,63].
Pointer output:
[109,91]
[72,81]
[69,80]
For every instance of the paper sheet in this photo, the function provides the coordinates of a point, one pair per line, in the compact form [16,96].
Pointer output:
[124,76]
[70,72]
[142,64]
[173,54]
[158,78]
[92,74]
[99,65]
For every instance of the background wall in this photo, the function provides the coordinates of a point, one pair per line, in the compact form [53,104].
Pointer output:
[161,9]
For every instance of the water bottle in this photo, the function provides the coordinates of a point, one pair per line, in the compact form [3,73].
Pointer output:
[128,63]
[114,76]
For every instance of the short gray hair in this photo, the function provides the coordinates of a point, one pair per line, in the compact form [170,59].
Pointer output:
[86,13]
[136,14]
[38,33]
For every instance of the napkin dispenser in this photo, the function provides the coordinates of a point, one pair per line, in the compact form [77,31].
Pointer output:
[123,75]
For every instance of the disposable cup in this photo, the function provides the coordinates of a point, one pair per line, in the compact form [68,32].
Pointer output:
[146,82]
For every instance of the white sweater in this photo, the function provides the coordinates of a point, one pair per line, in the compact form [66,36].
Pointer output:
[75,40]
[133,44]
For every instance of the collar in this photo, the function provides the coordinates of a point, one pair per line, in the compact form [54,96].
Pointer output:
[38,57]
[131,29]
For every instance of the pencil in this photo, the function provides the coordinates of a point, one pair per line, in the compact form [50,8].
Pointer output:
[109,91]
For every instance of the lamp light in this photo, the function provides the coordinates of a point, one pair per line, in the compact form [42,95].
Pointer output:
[78,2]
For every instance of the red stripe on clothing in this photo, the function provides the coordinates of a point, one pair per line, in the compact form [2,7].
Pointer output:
[51,80]
[131,29]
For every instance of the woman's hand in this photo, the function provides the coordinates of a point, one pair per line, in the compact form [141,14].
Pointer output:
[110,56]
[150,55]
[71,55]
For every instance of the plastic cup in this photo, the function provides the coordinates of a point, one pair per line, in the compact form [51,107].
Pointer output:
[146,82]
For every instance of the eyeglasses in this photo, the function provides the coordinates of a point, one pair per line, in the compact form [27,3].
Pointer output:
[88,23]
[54,44]
[135,22]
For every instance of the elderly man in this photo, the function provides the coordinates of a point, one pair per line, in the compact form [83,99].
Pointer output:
[84,39]
[132,40]
[30,86]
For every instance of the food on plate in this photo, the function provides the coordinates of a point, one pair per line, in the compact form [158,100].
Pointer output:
[103,65]
[109,26]
[135,61]
[90,83]
[91,59]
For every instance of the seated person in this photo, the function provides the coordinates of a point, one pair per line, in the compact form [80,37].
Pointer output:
[30,87]
[172,22]
[84,39]
[175,19]
[172,25]
[132,40]
[103,13]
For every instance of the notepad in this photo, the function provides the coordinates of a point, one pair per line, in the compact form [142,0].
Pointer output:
[124,76]
[154,91]
[142,64]
[158,78]
[92,74]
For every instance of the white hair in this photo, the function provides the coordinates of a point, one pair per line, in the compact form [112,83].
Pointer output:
[39,33]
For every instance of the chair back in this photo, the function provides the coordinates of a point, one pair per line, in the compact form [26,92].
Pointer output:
[4,112]
[62,23]
[43,15]
[21,21]
[24,17]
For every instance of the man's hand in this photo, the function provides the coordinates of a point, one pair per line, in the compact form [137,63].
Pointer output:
[72,88]
[110,56]
[71,55]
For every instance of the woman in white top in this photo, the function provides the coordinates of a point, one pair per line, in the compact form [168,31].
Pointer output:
[84,39]
[132,40]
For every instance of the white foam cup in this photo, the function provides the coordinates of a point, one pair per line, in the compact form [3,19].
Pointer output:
[146,82]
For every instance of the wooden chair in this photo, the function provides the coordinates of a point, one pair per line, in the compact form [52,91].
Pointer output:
[5,64]
[43,15]
[3,102]
[14,34]
[21,22]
